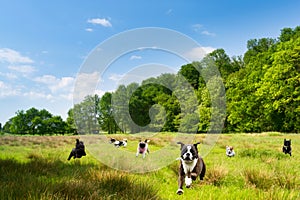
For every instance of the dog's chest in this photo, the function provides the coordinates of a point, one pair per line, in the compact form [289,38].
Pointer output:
[188,167]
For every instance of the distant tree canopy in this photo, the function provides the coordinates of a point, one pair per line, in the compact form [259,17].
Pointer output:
[262,91]
[265,94]
[36,122]
[262,94]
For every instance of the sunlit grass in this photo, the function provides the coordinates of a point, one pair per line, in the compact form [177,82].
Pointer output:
[36,167]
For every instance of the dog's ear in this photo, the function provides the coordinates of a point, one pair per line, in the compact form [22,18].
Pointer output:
[196,144]
[147,141]
[180,144]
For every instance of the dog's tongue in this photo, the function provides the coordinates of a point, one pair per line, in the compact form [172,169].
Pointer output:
[142,150]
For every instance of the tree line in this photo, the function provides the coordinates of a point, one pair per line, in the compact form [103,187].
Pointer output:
[37,122]
[261,89]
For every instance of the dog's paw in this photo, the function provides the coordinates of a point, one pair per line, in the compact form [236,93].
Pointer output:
[188,182]
[179,191]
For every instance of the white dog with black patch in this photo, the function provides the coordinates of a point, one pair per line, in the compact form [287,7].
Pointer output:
[191,166]
[143,148]
[229,151]
[118,143]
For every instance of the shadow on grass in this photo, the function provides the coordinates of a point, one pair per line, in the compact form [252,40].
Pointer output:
[42,178]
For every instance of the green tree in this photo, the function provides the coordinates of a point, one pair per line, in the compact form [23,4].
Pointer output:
[19,124]
[264,95]
[120,106]
[106,117]
[223,62]
[279,89]
[191,72]
[86,115]
[71,125]
[34,121]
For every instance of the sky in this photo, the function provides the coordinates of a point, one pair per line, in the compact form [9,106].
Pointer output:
[45,45]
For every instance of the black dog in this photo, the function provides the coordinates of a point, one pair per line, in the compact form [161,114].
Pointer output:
[191,166]
[78,151]
[287,148]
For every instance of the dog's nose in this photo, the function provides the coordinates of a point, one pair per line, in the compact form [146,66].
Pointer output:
[187,154]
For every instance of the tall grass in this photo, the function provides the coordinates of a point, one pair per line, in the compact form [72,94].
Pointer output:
[53,179]
[35,167]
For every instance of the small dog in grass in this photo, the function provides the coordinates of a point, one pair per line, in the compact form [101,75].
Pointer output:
[191,166]
[143,148]
[118,143]
[287,147]
[78,151]
[229,151]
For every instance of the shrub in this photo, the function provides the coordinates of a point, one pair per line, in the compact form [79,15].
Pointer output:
[215,175]
[258,179]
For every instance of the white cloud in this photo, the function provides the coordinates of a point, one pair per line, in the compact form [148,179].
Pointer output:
[89,30]
[9,76]
[116,77]
[134,57]
[7,90]
[67,96]
[198,53]
[197,27]
[12,56]
[208,33]
[99,21]
[25,69]
[100,93]
[38,95]
[85,84]
[56,84]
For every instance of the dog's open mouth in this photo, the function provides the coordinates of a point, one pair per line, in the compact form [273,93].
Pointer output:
[187,160]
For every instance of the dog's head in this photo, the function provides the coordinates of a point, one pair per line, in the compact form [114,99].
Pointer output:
[143,144]
[287,142]
[229,149]
[112,140]
[123,142]
[189,152]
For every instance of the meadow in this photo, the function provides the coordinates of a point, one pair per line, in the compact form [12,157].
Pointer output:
[36,167]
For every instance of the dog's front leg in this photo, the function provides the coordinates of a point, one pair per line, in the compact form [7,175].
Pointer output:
[284,149]
[72,153]
[70,156]
[188,180]
[180,184]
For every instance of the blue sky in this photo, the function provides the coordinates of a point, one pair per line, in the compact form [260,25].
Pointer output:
[44,44]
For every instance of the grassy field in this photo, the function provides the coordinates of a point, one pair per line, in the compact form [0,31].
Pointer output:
[36,167]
